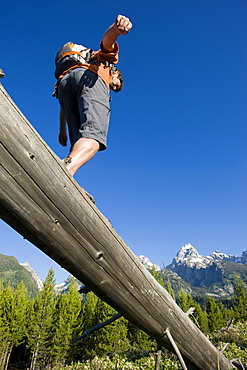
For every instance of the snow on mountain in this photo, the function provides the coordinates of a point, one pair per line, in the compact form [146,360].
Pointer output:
[217,256]
[147,263]
[63,286]
[189,255]
[36,277]
[199,270]
[192,267]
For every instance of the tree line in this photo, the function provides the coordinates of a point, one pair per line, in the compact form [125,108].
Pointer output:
[42,331]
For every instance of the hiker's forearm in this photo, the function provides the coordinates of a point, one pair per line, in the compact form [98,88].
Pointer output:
[109,37]
[121,26]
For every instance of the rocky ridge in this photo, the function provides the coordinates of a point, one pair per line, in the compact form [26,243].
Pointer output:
[189,271]
[35,276]
[213,273]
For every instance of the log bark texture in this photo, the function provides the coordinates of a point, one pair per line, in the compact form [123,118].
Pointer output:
[42,202]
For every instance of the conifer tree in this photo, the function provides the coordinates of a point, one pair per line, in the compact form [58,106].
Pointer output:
[111,338]
[41,312]
[159,278]
[86,321]
[227,313]
[184,301]
[107,339]
[14,315]
[19,330]
[4,335]
[240,298]
[65,318]
[7,302]
[4,328]
[138,339]
[201,318]
[215,316]
[156,274]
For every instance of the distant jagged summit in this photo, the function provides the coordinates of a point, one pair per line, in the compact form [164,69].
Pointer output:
[189,256]
[217,256]
[147,263]
[187,251]
[35,276]
[205,271]
[189,270]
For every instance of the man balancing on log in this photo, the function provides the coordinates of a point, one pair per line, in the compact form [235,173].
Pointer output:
[84,80]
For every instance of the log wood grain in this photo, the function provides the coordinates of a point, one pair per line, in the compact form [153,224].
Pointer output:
[42,202]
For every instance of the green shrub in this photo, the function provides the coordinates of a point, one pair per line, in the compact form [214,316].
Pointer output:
[119,363]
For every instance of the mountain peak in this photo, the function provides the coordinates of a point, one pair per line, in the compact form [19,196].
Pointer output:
[201,271]
[217,256]
[188,255]
[187,251]
[147,263]
[36,277]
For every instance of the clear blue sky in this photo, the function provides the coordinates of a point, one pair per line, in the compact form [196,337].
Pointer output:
[175,168]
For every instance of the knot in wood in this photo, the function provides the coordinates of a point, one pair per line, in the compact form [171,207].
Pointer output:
[31,156]
[99,255]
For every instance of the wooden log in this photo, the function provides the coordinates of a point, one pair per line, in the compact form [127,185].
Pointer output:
[41,201]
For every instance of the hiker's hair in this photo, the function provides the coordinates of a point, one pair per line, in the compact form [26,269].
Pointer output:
[120,77]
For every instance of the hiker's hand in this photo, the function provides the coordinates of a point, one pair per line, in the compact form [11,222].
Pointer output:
[62,138]
[123,24]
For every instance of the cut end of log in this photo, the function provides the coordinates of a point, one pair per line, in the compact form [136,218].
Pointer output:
[2,74]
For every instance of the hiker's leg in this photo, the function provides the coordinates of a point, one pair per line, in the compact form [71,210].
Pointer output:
[83,150]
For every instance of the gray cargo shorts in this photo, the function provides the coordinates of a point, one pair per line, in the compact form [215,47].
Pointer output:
[84,98]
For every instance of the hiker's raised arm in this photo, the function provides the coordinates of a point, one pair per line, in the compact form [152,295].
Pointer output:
[121,26]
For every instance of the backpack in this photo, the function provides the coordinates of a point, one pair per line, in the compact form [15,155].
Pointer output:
[71,55]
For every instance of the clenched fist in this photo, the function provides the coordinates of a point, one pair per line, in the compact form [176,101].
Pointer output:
[123,24]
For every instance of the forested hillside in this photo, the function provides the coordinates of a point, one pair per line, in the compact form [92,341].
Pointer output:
[13,273]
[40,333]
